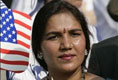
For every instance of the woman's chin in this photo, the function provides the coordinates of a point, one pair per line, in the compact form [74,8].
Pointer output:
[69,68]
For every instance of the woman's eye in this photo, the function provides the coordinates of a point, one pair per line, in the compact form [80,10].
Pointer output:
[75,34]
[52,37]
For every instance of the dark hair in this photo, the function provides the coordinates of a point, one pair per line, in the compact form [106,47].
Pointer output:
[42,17]
[45,1]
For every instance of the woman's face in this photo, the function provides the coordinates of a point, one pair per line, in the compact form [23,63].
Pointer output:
[63,44]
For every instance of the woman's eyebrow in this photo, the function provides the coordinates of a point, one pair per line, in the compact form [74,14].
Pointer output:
[59,33]
[50,33]
[74,30]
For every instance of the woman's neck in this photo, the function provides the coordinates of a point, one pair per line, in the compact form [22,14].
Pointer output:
[75,75]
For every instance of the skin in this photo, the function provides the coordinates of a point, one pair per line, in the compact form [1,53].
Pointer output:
[63,47]
[76,3]
[89,76]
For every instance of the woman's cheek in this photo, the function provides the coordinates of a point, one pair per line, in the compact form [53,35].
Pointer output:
[76,41]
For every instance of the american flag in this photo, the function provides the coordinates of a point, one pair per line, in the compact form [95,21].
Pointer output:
[15,34]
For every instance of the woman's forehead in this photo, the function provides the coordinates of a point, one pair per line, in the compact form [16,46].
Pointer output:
[63,19]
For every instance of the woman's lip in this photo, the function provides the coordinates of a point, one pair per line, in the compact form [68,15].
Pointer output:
[66,56]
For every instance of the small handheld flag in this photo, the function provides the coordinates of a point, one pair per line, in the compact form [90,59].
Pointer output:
[15,34]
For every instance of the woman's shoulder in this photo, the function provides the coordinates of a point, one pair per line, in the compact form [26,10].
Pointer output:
[89,76]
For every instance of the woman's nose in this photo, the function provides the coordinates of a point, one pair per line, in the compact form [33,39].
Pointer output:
[66,44]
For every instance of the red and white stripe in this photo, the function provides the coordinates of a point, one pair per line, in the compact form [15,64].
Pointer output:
[23,26]
[15,57]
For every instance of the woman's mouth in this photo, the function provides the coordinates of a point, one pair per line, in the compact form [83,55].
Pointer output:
[66,56]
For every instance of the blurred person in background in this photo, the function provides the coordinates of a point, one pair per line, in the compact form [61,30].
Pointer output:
[8,3]
[112,9]
[106,26]
[104,58]
[104,55]
[28,6]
